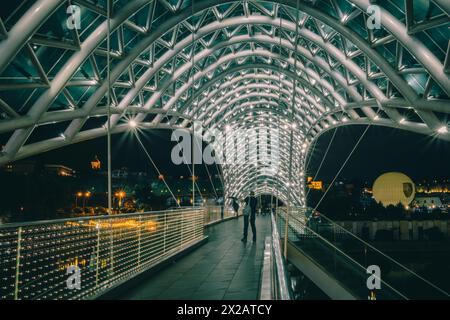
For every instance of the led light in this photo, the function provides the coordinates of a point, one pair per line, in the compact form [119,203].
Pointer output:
[402,120]
[442,130]
[376,118]
[132,124]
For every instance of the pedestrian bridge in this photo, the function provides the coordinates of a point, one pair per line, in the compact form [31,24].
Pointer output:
[276,74]
[194,254]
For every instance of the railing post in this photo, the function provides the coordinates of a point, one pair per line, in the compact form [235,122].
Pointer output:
[181,226]
[139,241]
[97,256]
[200,220]
[276,209]
[19,248]
[111,249]
[165,231]
[286,230]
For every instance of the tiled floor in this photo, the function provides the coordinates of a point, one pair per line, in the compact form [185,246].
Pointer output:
[223,268]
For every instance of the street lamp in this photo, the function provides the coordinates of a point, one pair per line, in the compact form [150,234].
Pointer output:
[120,195]
[77,195]
[87,195]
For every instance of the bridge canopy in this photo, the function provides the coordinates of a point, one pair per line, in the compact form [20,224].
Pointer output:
[277,73]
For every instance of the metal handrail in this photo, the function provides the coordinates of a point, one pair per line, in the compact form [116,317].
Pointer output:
[105,251]
[267,291]
[108,249]
[209,210]
[283,289]
[76,219]
[274,279]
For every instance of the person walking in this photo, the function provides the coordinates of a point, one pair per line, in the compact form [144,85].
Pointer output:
[250,208]
[235,205]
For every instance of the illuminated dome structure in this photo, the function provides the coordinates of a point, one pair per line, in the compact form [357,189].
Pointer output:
[295,66]
[393,188]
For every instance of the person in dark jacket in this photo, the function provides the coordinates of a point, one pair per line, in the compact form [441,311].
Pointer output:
[235,205]
[251,217]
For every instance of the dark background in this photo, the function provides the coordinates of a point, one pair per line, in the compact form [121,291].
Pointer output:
[381,150]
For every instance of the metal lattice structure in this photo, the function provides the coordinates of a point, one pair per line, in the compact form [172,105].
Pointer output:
[230,64]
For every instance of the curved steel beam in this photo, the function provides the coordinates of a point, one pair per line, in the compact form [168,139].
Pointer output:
[255,77]
[68,70]
[423,55]
[22,31]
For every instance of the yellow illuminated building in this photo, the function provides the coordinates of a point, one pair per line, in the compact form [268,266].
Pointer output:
[316,185]
[96,164]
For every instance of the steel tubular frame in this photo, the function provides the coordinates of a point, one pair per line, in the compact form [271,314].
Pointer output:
[228,70]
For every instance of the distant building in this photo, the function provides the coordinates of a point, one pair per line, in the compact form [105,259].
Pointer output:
[20,168]
[343,189]
[30,167]
[428,202]
[120,173]
[366,199]
[96,164]
[316,185]
[59,170]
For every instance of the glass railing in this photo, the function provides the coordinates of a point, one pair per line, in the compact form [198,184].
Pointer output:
[84,257]
[347,258]
[215,214]
[274,277]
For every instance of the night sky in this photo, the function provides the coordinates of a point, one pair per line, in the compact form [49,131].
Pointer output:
[381,150]
[126,152]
